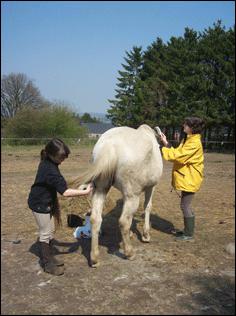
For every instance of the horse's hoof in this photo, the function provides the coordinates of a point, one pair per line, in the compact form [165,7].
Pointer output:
[146,239]
[131,257]
[94,264]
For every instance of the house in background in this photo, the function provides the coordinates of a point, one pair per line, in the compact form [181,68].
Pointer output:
[95,130]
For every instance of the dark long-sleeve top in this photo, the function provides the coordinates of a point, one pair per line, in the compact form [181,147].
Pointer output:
[43,194]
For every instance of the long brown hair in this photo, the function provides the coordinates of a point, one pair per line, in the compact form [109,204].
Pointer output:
[56,213]
[57,151]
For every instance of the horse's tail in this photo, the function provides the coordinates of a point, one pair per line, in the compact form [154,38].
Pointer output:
[103,168]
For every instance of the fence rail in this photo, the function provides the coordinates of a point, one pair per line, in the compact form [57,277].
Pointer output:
[43,140]
[214,146]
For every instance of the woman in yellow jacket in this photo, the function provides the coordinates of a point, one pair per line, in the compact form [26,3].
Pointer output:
[187,173]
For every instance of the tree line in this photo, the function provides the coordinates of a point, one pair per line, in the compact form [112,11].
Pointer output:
[26,114]
[190,75]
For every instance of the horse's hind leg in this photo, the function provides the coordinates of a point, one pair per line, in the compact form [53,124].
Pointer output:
[147,210]
[96,220]
[129,208]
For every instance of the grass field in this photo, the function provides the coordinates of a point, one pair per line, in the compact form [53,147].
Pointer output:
[167,277]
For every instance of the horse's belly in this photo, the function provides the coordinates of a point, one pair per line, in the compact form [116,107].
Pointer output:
[136,179]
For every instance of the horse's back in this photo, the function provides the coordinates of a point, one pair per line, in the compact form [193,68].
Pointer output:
[128,143]
[137,154]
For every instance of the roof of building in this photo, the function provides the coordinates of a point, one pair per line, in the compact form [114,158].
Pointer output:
[98,128]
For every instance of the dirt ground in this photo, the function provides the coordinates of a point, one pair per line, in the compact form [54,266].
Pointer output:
[166,277]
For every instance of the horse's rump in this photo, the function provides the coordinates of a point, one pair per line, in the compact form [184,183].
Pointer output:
[123,152]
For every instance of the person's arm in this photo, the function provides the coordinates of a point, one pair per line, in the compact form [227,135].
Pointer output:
[182,154]
[178,154]
[164,140]
[75,192]
[56,180]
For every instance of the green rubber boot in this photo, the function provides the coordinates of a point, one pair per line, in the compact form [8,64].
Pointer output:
[189,224]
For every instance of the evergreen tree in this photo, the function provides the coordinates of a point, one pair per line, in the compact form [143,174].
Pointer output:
[191,75]
[124,110]
[153,87]
[216,50]
[182,77]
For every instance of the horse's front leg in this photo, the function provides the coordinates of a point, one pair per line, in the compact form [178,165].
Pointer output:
[96,220]
[129,208]
[147,210]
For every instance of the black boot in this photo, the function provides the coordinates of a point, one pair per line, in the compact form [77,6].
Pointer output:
[189,224]
[54,260]
[46,260]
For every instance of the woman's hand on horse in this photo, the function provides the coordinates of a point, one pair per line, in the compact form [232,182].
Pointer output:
[163,139]
[89,188]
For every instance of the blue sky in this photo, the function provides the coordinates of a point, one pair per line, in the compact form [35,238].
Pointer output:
[72,50]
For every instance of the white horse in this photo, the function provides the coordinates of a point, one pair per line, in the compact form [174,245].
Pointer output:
[130,160]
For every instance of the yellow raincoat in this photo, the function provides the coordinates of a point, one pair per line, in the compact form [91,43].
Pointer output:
[187,173]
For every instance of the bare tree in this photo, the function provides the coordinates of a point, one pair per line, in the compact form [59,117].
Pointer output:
[17,91]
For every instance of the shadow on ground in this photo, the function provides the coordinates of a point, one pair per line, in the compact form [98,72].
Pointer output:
[216,295]
[110,236]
